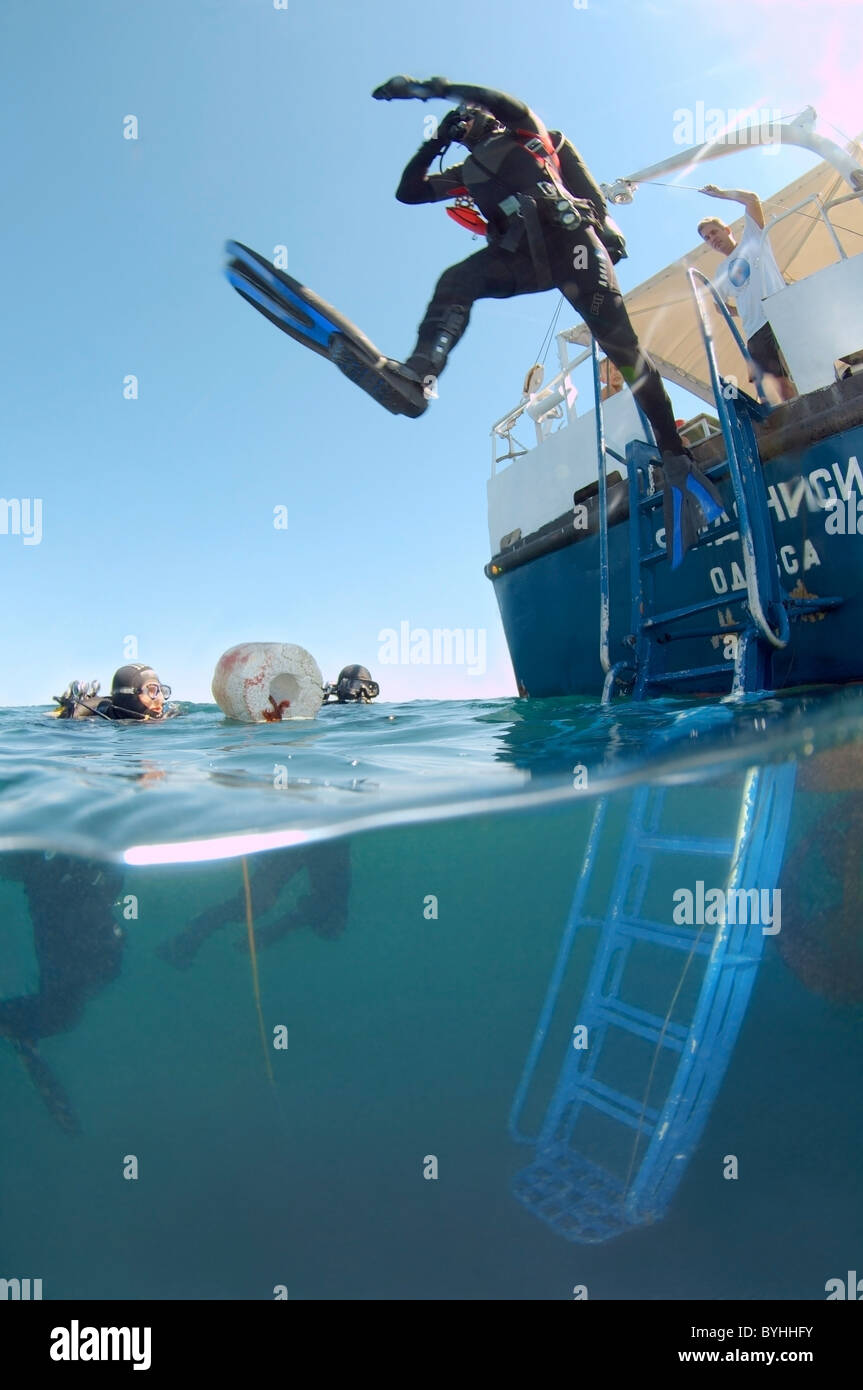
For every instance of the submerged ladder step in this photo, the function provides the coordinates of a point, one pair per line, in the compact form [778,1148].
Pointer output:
[693,673]
[575,1197]
[609,1101]
[661,934]
[640,1022]
[691,844]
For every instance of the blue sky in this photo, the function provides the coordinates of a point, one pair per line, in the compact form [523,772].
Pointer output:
[257,123]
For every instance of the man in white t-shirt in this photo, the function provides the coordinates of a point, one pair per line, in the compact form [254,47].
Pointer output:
[748,275]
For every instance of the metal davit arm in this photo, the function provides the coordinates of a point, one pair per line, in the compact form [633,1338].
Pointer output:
[798,132]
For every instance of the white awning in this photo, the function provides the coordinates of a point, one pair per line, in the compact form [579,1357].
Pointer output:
[662,310]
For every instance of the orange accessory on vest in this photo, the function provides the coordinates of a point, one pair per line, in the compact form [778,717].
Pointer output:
[465,213]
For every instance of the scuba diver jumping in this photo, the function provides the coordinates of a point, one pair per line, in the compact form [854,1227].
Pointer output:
[547,226]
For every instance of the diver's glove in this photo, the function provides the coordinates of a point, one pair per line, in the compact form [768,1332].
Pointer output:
[75,694]
[67,701]
[449,129]
[402,88]
[690,500]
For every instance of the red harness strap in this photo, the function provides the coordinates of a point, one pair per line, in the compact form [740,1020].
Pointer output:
[466,215]
[531,136]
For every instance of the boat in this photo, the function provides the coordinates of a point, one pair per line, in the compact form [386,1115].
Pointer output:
[770,598]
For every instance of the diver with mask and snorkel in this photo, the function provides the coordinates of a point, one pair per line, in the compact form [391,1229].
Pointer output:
[137,695]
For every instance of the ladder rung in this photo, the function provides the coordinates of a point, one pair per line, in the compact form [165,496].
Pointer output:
[797,606]
[705,632]
[716,470]
[727,529]
[645,1025]
[695,673]
[653,499]
[661,934]
[674,614]
[652,556]
[615,1104]
[705,537]
[690,845]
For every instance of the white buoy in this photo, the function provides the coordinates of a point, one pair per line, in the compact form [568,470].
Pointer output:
[268,681]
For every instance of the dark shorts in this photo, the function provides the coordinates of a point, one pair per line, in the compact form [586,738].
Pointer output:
[764,349]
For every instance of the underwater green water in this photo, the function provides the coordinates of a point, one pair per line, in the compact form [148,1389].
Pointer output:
[404,949]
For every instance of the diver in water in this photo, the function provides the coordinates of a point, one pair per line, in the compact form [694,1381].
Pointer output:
[324,907]
[136,694]
[353,686]
[78,945]
[547,226]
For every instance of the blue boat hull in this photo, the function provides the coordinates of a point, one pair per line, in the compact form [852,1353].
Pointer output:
[550,604]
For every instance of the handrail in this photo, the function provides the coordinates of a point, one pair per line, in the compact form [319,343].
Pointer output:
[780,638]
[502,427]
[513,414]
[604,590]
[822,213]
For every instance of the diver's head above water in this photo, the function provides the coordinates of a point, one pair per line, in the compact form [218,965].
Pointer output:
[354,686]
[137,693]
[469,126]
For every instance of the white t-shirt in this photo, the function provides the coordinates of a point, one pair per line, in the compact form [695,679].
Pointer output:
[748,275]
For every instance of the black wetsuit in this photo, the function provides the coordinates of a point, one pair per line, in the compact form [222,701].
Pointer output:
[498,168]
[324,907]
[76,936]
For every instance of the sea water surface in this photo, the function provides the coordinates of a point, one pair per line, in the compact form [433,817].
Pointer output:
[404,1002]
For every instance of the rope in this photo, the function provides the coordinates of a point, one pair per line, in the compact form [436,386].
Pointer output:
[250,927]
[546,342]
[810,216]
[665,1023]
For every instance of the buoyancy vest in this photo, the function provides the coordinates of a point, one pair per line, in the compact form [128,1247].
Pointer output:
[511,162]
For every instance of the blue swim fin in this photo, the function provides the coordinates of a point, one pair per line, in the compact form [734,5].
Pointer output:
[690,501]
[310,320]
[55,1098]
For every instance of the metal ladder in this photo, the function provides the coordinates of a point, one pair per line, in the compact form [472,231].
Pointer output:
[583,1195]
[761,624]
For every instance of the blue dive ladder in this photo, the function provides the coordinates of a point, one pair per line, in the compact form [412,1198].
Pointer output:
[761,624]
[589,1188]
